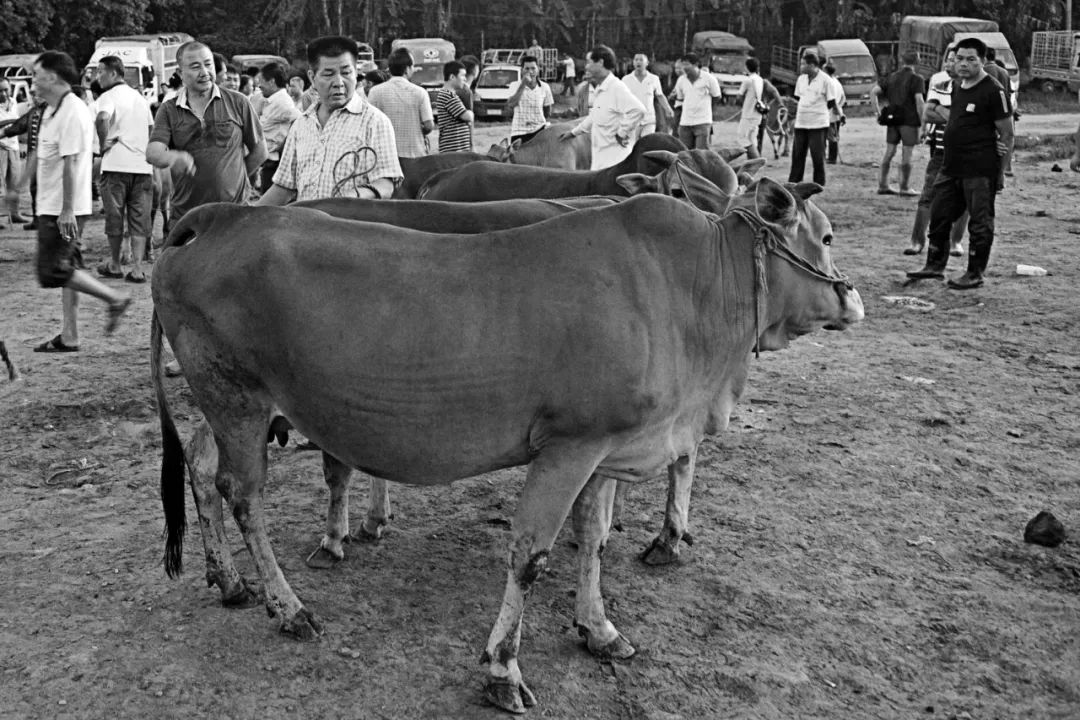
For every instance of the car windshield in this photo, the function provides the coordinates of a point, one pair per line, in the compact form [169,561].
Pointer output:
[854,65]
[1006,56]
[732,63]
[428,75]
[500,78]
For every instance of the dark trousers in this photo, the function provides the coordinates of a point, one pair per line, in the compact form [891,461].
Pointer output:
[814,141]
[266,174]
[952,196]
[834,142]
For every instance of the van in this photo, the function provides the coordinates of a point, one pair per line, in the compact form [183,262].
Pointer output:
[429,56]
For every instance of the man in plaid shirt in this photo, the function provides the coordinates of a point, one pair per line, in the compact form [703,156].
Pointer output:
[531,100]
[406,104]
[341,146]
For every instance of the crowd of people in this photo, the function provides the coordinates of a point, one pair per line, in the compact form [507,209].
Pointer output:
[277,137]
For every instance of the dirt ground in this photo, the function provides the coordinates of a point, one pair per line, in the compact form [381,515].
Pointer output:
[858,530]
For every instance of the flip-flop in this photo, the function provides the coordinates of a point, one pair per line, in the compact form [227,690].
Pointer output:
[908,193]
[104,271]
[886,191]
[56,345]
[116,311]
[133,278]
[913,251]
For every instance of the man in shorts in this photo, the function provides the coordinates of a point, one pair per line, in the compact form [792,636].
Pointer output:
[64,168]
[904,92]
[755,95]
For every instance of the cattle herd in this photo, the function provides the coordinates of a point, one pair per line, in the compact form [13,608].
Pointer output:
[594,326]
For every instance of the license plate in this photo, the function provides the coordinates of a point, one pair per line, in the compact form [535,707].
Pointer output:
[494,111]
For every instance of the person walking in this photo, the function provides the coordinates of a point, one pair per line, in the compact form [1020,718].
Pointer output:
[837,119]
[455,120]
[123,126]
[11,165]
[29,123]
[976,141]
[208,137]
[935,117]
[277,116]
[647,89]
[694,91]
[531,100]
[904,93]
[64,167]
[816,98]
[341,146]
[406,104]
[569,76]
[755,94]
[614,119]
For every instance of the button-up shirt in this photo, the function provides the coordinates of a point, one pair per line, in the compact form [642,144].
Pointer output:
[354,148]
[646,91]
[408,107]
[614,111]
[814,96]
[529,112]
[696,98]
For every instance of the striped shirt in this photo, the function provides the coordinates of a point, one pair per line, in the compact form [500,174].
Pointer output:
[529,113]
[939,90]
[354,148]
[454,133]
[408,107]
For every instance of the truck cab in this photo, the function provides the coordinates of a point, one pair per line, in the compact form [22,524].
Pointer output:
[429,56]
[149,60]
[724,55]
[855,67]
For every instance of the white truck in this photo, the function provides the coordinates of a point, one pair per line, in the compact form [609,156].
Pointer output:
[1055,60]
[149,60]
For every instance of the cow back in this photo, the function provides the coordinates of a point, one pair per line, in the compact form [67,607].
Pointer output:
[418,171]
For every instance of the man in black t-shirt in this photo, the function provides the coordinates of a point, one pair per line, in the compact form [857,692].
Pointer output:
[977,137]
[904,93]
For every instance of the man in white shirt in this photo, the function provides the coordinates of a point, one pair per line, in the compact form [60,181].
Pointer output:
[10,162]
[569,76]
[614,119]
[277,116]
[695,91]
[406,104]
[123,126]
[64,168]
[836,115]
[756,93]
[531,100]
[646,88]
[817,97]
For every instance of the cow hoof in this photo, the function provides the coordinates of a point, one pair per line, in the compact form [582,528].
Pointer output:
[303,627]
[617,649]
[508,695]
[242,599]
[322,559]
[659,553]
[363,535]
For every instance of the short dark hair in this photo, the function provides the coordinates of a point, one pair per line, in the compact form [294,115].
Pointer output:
[230,68]
[471,63]
[830,69]
[451,69]
[252,70]
[113,64]
[331,46]
[60,63]
[529,59]
[910,57]
[220,63]
[691,58]
[175,81]
[95,88]
[973,43]
[399,61]
[604,55]
[375,77]
[752,64]
[991,53]
[302,76]
[274,72]
[192,45]
[811,58]
[245,82]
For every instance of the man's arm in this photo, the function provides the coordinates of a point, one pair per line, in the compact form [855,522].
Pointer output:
[920,103]
[66,221]
[633,112]
[17,127]
[101,124]
[253,139]
[427,118]
[1005,135]
[934,112]
[515,97]
[276,195]
[1074,165]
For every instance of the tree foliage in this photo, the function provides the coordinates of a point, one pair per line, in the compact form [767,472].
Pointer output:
[661,28]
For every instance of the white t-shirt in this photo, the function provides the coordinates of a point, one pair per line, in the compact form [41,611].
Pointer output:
[67,131]
[646,91]
[814,96]
[129,122]
[753,92]
[697,98]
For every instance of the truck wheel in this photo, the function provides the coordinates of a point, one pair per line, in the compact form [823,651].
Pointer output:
[1049,87]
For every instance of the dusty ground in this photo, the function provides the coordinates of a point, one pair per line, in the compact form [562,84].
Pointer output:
[858,554]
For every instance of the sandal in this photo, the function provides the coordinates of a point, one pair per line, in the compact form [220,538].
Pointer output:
[56,345]
[133,278]
[116,311]
[104,271]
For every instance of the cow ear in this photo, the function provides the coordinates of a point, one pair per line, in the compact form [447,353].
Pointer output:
[774,203]
[745,179]
[665,158]
[730,154]
[751,167]
[805,190]
[516,144]
[699,191]
[637,183]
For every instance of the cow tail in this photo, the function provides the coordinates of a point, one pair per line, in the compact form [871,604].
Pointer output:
[172,462]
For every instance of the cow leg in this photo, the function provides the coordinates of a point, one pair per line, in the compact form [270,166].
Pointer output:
[240,479]
[331,550]
[619,505]
[378,514]
[555,479]
[665,547]
[202,459]
[591,521]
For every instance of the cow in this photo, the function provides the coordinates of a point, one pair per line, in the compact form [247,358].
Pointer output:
[475,182]
[417,171]
[547,149]
[779,125]
[589,362]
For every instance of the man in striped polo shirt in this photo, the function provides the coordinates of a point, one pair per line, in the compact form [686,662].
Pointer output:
[455,120]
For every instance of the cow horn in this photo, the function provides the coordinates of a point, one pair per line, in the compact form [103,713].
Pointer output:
[637,183]
[664,157]
[804,190]
[730,153]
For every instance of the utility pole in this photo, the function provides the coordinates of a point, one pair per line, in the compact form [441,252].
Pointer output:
[1068,14]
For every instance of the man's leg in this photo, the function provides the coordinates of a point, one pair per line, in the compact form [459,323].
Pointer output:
[139,200]
[686,135]
[816,139]
[113,200]
[11,176]
[33,224]
[69,300]
[948,204]
[798,155]
[910,136]
[892,140]
[834,143]
[979,193]
[922,213]
[702,135]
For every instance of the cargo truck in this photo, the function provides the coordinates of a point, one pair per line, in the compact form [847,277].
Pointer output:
[931,36]
[149,60]
[724,55]
[1055,60]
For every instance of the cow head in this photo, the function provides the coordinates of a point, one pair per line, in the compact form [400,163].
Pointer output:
[747,171]
[679,181]
[805,290]
[502,151]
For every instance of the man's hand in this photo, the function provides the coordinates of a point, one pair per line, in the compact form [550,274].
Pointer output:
[109,143]
[1002,148]
[182,161]
[1074,164]
[67,225]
